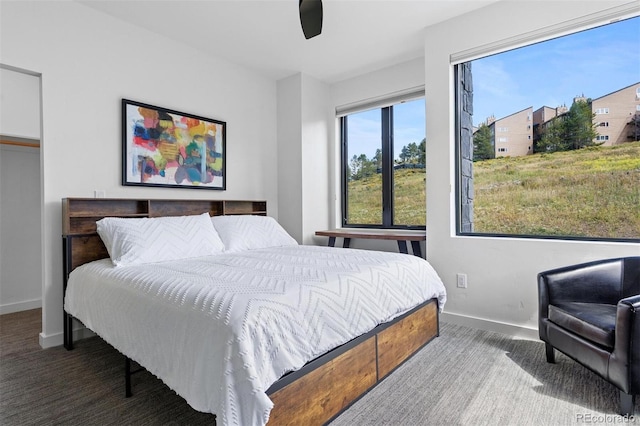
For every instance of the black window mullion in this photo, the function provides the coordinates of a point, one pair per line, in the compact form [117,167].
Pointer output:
[345,169]
[387,166]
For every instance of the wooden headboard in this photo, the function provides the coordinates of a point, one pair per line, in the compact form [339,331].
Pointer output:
[82,244]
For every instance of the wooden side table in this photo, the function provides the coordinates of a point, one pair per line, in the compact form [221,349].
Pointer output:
[377,234]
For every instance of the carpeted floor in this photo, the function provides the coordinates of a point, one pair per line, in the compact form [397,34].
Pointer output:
[463,377]
[473,377]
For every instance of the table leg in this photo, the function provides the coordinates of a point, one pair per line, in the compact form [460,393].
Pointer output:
[346,243]
[332,241]
[402,246]
[416,248]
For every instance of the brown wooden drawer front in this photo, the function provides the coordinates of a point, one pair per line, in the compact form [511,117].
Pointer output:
[325,391]
[397,342]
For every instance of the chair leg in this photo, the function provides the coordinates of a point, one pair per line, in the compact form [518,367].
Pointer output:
[551,357]
[627,403]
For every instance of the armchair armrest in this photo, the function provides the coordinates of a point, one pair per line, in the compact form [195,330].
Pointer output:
[624,366]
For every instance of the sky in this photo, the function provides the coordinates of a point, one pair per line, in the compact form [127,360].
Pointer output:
[592,63]
[365,128]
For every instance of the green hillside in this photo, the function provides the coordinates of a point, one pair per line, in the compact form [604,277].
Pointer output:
[589,192]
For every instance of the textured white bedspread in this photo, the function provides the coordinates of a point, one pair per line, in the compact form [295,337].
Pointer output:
[219,330]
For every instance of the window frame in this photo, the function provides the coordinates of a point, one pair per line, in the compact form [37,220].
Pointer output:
[457,67]
[387,148]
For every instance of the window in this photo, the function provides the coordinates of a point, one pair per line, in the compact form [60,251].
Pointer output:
[557,189]
[383,156]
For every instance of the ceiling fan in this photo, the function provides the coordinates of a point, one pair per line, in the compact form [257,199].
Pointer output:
[311,17]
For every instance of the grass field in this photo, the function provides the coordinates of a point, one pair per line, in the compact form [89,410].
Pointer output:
[593,192]
[365,198]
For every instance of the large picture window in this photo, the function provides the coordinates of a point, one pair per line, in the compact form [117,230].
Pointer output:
[383,171]
[549,146]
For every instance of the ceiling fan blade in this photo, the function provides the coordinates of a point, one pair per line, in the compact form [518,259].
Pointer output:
[311,17]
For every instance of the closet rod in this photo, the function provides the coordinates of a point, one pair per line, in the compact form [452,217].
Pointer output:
[27,144]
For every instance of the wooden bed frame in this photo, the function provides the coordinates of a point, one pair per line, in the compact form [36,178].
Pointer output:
[320,390]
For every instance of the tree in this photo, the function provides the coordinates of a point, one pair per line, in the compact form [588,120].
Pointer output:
[377,158]
[573,130]
[554,137]
[413,153]
[362,167]
[368,167]
[423,150]
[580,127]
[634,127]
[404,154]
[482,144]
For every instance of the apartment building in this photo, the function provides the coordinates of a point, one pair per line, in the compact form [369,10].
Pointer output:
[616,120]
[512,136]
[614,114]
[544,115]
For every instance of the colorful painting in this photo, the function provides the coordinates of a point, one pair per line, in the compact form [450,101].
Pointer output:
[168,148]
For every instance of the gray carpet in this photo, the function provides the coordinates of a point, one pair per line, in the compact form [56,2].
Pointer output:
[464,377]
[472,377]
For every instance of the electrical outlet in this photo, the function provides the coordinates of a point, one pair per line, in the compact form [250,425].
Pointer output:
[461,280]
[99,193]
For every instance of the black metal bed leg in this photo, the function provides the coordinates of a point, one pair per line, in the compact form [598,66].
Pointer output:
[127,377]
[68,331]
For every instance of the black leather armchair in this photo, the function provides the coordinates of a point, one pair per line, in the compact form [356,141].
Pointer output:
[591,313]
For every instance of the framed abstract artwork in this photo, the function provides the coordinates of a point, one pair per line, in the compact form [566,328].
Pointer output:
[166,148]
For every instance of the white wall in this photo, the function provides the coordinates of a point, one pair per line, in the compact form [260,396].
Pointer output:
[317,126]
[304,125]
[88,62]
[19,104]
[20,220]
[501,272]
[20,254]
[289,154]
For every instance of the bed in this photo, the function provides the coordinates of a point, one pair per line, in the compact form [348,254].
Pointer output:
[253,328]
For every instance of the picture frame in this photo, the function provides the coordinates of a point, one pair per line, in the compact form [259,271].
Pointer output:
[165,148]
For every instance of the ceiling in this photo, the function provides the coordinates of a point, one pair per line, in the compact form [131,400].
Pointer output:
[358,36]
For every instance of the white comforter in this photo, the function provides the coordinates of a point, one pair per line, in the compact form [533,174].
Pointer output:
[219,330]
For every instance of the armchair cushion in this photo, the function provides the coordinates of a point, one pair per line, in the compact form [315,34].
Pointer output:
[595,322]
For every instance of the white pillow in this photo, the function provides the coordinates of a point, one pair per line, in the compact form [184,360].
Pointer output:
[248,232]
[148,240]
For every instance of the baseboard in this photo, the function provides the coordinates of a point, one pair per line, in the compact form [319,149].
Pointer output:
[26,305]
[513,330]
[57,339]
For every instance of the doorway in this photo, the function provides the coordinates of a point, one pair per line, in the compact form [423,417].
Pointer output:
[20,190]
